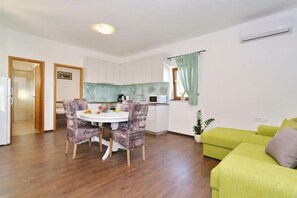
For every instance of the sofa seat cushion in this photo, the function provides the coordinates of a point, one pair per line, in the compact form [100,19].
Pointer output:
[253,151]
[231,138]
[247,150]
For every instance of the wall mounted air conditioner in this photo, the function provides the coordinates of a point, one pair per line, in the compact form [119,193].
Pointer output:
[268,29]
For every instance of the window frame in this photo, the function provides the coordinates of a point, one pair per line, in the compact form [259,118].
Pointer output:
[174,74]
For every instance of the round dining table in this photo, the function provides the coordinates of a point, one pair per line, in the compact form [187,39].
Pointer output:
[114,118]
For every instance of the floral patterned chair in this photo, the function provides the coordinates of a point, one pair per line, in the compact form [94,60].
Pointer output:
[78,131]
[132,135]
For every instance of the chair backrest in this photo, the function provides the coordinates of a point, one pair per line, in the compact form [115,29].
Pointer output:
[70,111]
[126,105]
[81,104]
[137,116]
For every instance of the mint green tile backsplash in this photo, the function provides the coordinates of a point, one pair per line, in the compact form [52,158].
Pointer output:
[109,93]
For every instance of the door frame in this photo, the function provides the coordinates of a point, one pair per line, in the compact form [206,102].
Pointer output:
[41,63]
[81,70]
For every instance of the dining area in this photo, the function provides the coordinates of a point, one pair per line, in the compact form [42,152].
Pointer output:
[126,124]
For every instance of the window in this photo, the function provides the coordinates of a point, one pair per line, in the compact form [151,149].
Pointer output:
[178,89]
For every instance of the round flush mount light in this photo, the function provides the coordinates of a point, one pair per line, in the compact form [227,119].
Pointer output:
[104,28]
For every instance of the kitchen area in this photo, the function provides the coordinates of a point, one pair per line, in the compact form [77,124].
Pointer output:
[145,79]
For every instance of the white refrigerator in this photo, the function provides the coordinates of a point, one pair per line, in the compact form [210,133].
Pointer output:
[5,103]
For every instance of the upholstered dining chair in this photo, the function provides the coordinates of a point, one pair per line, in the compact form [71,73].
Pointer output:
[78,131]
[132,135]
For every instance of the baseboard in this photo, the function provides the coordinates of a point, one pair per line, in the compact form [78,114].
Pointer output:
[177,133]
[156,133]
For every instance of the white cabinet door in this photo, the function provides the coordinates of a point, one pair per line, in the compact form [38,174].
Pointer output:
[108,72]
[145,70]
[90,70]
[101,71]
[115,74]
[123,74]
[157,64]
[137,73]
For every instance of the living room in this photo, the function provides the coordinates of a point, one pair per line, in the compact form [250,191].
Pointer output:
[241,84]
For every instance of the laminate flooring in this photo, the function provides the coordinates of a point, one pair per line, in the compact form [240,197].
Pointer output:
[35,165]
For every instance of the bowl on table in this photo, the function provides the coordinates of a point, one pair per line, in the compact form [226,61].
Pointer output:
[104,108]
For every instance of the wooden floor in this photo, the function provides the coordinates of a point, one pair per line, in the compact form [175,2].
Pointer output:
[35,166]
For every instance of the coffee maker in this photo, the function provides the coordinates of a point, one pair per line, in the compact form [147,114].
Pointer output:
[121,97]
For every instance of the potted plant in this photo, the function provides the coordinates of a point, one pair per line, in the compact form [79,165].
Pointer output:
[201,125]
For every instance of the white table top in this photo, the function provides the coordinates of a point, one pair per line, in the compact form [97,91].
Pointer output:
[110,117]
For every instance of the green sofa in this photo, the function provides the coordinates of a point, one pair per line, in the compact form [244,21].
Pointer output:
[246,170]
[219,142]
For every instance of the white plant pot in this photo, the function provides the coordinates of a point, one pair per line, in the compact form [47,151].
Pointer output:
[197,138]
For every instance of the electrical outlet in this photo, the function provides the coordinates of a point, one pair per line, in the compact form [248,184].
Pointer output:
[261,119]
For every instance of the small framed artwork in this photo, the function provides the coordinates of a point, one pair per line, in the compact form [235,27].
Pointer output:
[64,75]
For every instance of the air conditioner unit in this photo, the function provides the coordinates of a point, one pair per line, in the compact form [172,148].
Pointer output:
[268,29]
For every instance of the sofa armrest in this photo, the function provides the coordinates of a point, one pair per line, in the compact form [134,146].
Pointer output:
[267,130]
[245,178]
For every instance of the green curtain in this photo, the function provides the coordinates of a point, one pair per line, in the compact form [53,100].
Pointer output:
[188,73]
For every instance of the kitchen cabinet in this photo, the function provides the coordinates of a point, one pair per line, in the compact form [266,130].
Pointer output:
[145,70]
[99,71]
[90,70]
[157,68]
[157,119]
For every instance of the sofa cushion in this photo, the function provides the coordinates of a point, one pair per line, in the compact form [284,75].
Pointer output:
[283,147]
[289,123]
[247,150]
[253,151]
[231,138]
[267,130]
[214,177]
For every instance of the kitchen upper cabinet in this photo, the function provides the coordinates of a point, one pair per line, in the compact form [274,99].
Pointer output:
[157,68]
[144,70]
[90,70]
[99,71]
[116,73]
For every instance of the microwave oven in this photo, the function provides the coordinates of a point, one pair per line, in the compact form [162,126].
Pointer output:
[161,99]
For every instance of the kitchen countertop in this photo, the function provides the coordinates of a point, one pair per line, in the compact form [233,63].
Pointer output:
[113,102]
[158,104]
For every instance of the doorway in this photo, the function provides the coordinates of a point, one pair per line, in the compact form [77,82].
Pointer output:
[68,84]
[27,81]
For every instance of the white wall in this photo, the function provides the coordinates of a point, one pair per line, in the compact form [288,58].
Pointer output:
[32,47]
[68,89]
[239,82]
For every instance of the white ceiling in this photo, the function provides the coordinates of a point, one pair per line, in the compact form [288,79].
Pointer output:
[140,24]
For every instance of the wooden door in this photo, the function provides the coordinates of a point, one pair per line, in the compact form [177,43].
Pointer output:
[37,97]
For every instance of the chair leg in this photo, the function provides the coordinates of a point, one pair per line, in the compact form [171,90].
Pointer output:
[74,151]
[100,142]
[128,157]
[90,142]
[143,152]
[67,145]
[110,147]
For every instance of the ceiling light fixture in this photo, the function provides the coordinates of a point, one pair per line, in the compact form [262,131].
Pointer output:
[104,28]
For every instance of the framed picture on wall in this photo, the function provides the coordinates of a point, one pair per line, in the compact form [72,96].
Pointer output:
[64,75]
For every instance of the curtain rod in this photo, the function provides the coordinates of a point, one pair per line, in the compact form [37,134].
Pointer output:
[183,54]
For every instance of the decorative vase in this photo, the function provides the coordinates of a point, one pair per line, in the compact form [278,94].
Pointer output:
[197,138]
